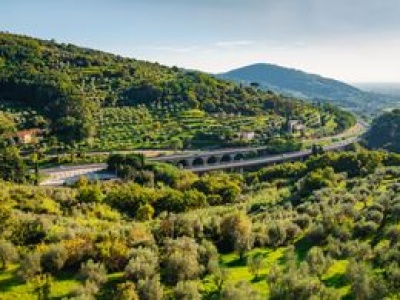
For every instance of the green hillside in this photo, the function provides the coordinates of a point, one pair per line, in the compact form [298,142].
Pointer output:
[103,99]
[385,133]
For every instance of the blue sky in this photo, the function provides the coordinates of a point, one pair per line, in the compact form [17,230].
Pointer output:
[352,40]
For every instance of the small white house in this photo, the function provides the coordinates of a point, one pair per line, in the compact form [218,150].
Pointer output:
[295,126]
[247,135]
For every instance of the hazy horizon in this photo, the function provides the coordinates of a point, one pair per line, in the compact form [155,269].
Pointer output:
[353,41]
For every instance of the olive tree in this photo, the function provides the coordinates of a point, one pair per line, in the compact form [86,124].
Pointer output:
[142,265]
[8,254]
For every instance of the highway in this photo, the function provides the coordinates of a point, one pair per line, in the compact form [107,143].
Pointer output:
[271,159]
[65,174]
[61,175]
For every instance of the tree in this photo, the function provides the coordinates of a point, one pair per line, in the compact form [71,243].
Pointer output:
[318,179]
[181,260]
[12,166]
[142,265]
[150,289]
[384,133]
[187,290]
[8,254]
[295,282]
[237,233]
[255,263]
[86,291]
[145,212]
[255,85]
[5,215]
[90,193]
[54,258]
[208,256]
[126,291]
[35,161]
[364,284]
[240,290]
[113,253]
[30,266]
[219,278]
[42,284]
[7,125]
[176,144]
[317,262]
[316,149]
[93,272]
[276,235]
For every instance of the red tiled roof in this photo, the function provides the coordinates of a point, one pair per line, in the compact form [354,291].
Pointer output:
[23,133]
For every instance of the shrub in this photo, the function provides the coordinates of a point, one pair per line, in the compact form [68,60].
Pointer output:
[255,263]
[142,265]
[150,289]
[126,291]
[187,290]
[240,290]
[30,266]
[88,194]
[236,230]
[54,258]
[42,286]
[93,272]
[8,254]
[180,261]
[114,253]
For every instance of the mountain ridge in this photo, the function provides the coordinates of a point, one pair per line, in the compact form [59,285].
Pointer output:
[295,82]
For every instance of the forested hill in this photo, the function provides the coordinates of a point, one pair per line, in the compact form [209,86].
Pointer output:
[68,83]
[308,86]
[385,133]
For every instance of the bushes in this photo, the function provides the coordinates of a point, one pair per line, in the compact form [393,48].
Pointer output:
[30,266]
[236,231]
[54,258]
[285,170]
[240,290]
[28,232]
[89,194]
[364,284]
[113,252]
[353,163]
[8,254]
[143,264]
[180,260]
[318,179]
[150,289]
[255,264]
[295,281]
[93,272]
[227,187]
[383,133]
[139,201]
[187,290]
[356,218]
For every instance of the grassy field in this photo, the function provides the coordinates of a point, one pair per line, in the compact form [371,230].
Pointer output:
[12,288]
